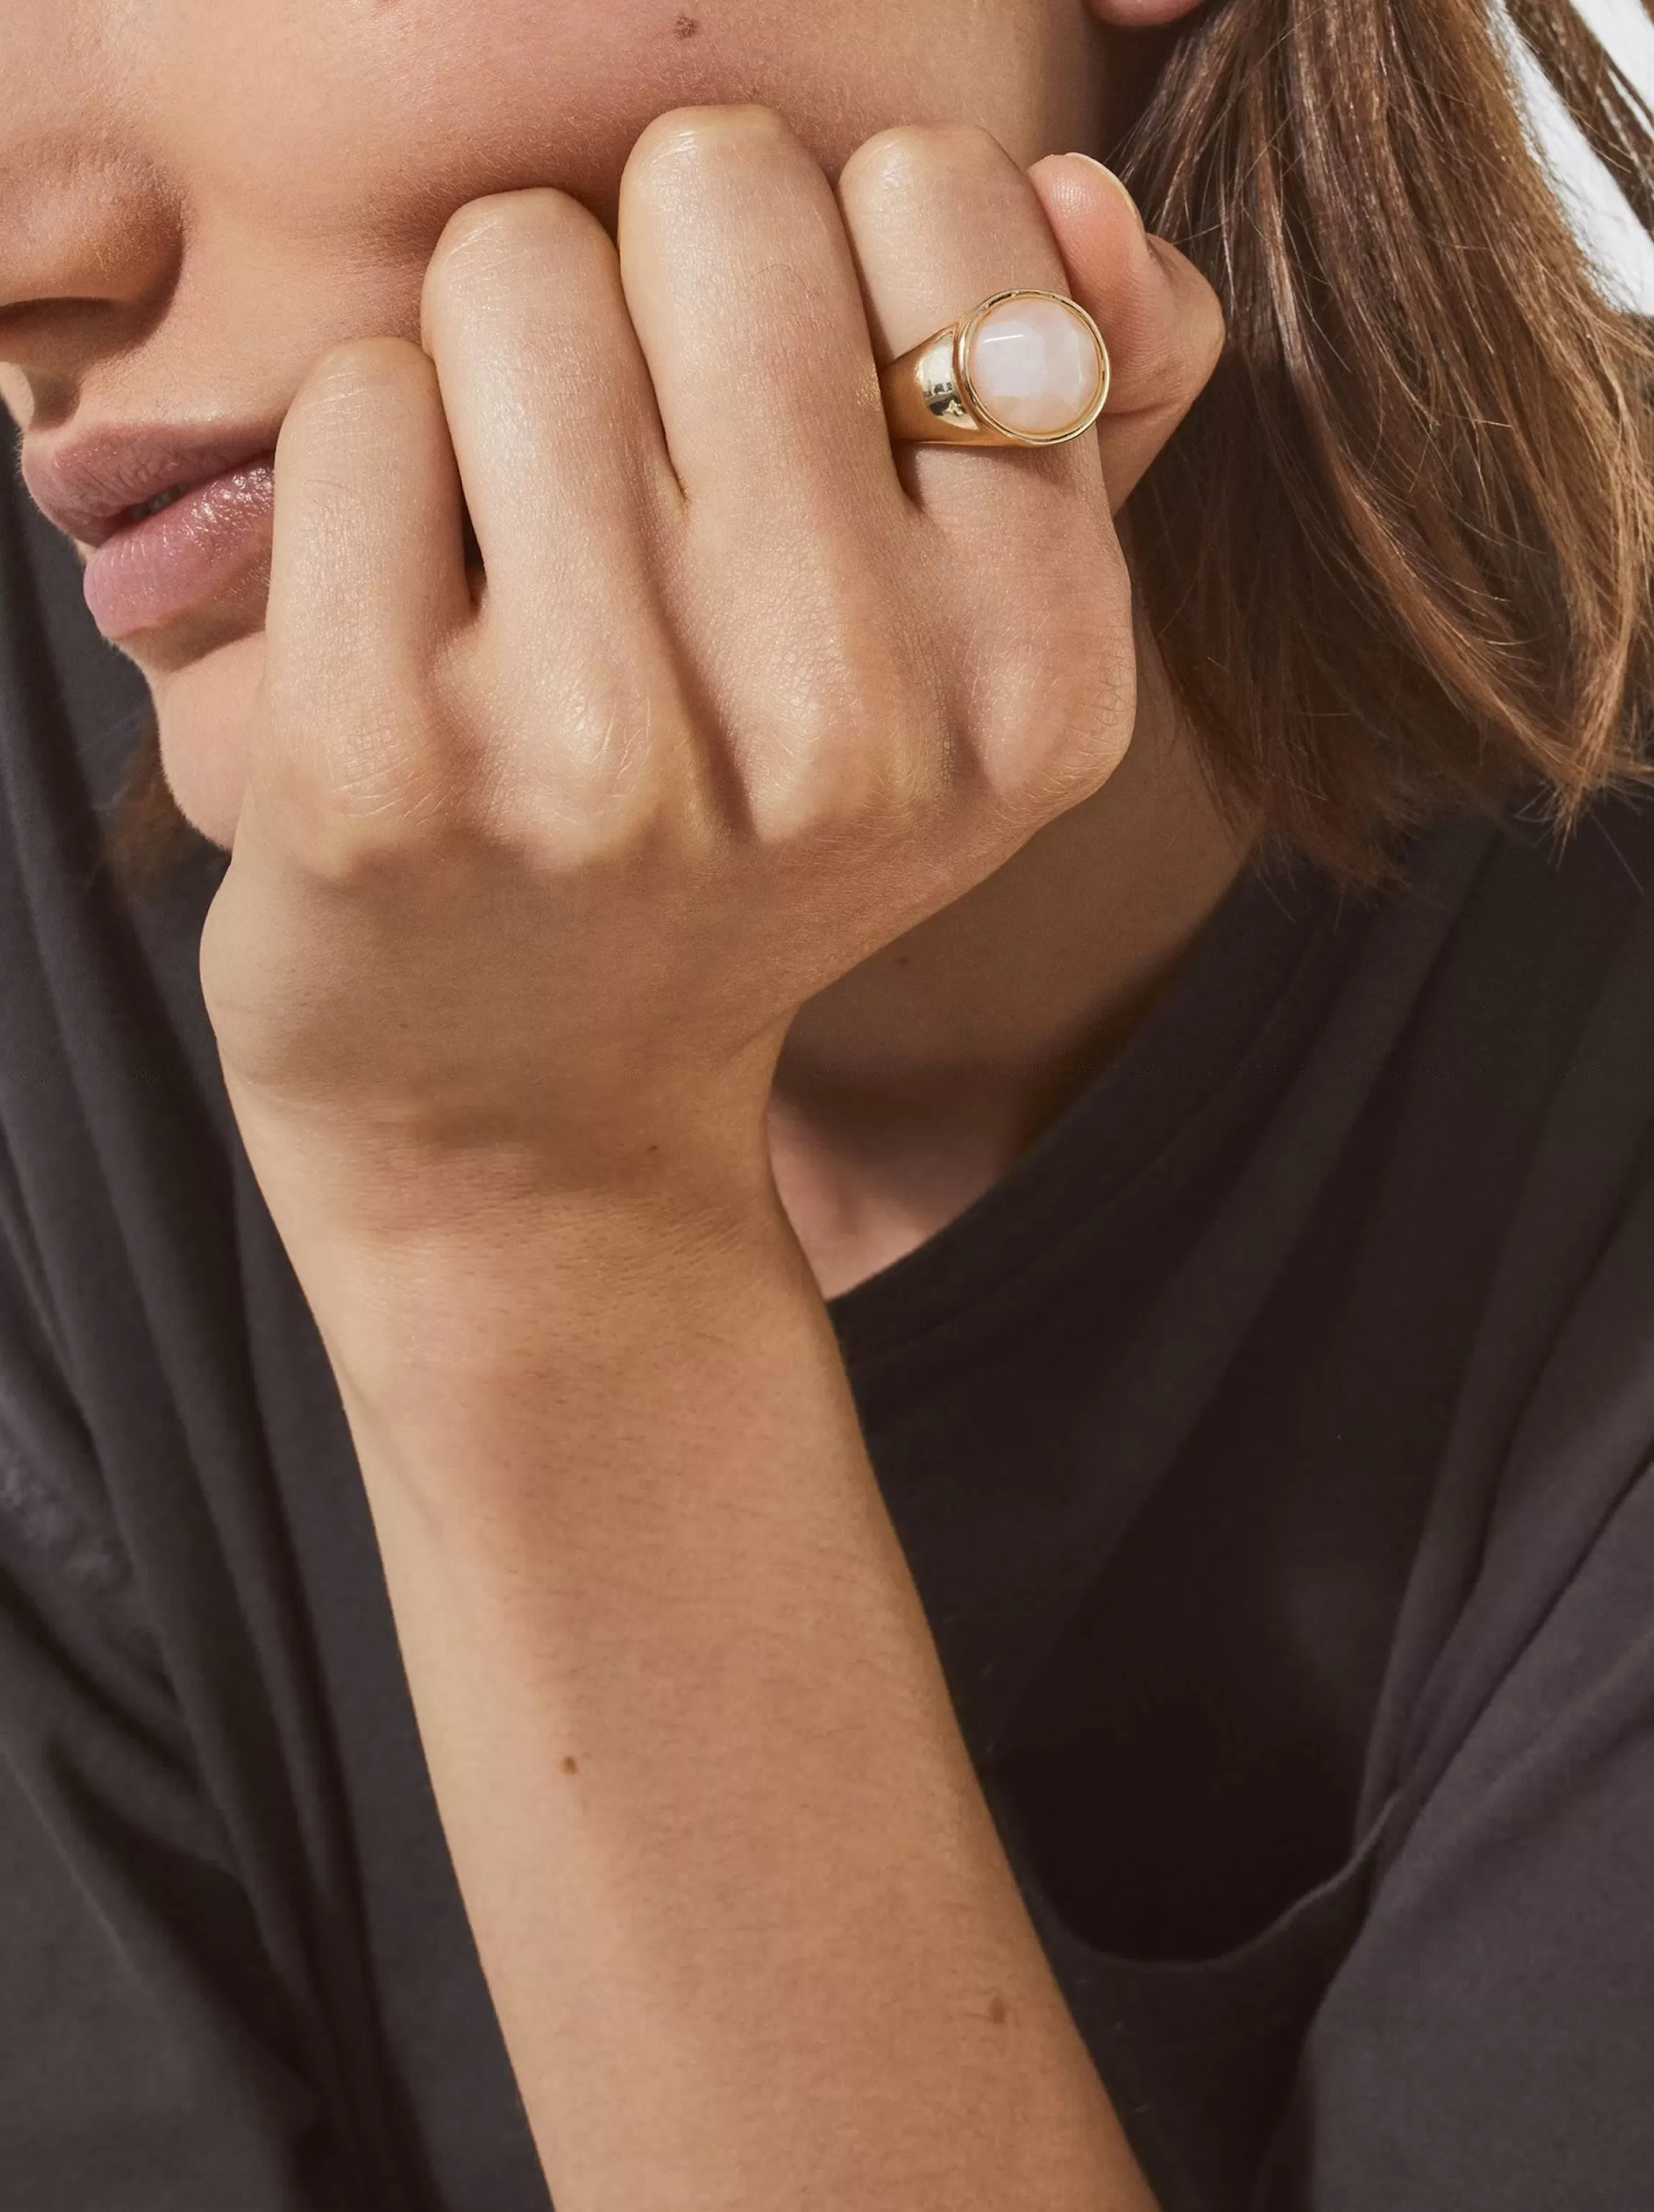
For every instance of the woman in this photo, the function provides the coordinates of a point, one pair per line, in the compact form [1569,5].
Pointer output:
[858,1412]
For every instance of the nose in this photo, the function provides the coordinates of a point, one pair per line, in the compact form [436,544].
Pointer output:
[90,238]
[88,257]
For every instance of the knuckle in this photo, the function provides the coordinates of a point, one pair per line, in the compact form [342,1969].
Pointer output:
[1055,717]
[1208,333]
[1086,708]
[1185,346]
[488,239]
[912,155]
[379,803]
[497,222]
[350,381]
[603,760]
[695,139]
[1101,585]
[348,425]
[369,852]
[614,749]
[854,756]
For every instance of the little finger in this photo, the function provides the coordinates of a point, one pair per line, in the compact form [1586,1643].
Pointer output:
[1162,321]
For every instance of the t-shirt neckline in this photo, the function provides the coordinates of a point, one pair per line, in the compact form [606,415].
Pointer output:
[1270,949]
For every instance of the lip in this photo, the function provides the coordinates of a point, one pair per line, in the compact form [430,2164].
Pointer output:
[148,569]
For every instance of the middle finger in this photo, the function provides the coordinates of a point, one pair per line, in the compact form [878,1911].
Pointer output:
[744,294]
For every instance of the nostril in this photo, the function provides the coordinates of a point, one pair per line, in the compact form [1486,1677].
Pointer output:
[42,332]
[89,256]
[17,314]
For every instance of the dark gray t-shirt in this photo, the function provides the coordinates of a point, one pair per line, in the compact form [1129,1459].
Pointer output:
[1272,1449]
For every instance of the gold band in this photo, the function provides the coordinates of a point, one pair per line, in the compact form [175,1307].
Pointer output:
[930,400]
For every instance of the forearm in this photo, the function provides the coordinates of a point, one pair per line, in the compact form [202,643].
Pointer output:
[544,872]
[749,1929]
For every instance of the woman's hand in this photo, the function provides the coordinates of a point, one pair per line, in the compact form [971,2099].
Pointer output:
[528,884]
[533,873]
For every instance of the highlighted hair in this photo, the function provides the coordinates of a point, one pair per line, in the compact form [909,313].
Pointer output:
[1400,554]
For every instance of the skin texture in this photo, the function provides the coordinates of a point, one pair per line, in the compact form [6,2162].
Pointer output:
[260,164]
[204,198]
[536,886]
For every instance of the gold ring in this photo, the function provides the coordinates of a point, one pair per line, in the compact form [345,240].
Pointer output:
[1024,368]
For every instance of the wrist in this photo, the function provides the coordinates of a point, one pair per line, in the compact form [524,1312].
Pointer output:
[532,1291]
[393,1213]
[587,1375]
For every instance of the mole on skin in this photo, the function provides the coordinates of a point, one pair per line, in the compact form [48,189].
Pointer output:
[685,26]
[570,1765]
[996,2010]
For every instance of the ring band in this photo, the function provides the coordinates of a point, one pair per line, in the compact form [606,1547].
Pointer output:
[1023,368]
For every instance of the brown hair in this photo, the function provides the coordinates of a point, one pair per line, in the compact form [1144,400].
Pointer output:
[1400,554]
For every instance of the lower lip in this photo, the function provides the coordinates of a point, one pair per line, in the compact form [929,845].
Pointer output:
[181,557]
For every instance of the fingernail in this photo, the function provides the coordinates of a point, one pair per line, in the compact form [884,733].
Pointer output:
[1114,181]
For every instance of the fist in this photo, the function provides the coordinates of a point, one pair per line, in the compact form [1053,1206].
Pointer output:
[540,855]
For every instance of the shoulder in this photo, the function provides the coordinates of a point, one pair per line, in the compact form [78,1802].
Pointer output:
[1538,1003]
[1532,1049]
[1507,1948]
[1548,903]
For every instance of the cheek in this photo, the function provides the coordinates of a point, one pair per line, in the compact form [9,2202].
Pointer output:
[205,714]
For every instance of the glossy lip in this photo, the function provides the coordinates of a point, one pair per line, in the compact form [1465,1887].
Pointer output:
[193,554]
[150,567]
[88,486]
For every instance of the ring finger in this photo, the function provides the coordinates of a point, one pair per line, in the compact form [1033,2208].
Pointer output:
[941,218]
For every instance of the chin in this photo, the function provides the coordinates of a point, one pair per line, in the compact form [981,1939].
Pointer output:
[204,712]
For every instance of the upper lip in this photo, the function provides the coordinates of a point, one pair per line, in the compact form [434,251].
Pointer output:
[88,485]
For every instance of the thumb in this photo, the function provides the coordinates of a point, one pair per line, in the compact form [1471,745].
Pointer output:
[1161,319]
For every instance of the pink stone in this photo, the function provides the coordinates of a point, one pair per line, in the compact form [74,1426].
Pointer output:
[1034,366]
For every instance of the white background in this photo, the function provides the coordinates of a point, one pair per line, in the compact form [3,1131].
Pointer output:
[1622,251]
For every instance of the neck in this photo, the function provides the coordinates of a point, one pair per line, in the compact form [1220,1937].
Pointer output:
[915,1081]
